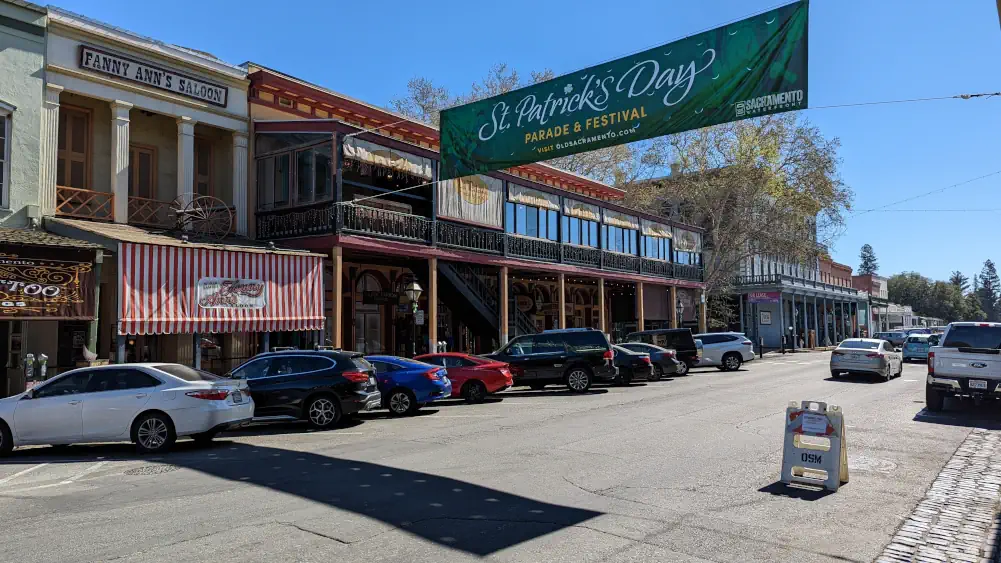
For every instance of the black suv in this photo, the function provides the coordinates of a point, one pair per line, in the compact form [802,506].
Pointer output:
[317,386]
[574,357]
[678,339]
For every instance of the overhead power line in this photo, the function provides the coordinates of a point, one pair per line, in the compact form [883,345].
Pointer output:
[928,193]
[911,100]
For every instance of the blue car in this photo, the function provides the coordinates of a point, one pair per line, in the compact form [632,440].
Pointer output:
[407,385]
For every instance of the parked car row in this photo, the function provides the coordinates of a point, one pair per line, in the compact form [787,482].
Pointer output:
[152,404]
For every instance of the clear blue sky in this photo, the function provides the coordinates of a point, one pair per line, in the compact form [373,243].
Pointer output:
[868,50]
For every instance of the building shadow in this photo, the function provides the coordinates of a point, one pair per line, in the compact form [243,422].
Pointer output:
[446,511]
[449,512]
[801,492]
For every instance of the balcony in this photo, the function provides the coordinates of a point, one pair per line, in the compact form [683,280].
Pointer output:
[470,238]
[328,218]
[150,212]
[85,204]
[792,282]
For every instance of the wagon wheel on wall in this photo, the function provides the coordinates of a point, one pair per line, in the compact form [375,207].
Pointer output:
[203,215]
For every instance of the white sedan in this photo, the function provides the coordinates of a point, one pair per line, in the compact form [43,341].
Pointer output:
[148,404]
[725,350]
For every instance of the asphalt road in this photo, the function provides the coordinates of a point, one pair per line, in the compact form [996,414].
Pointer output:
[679,470]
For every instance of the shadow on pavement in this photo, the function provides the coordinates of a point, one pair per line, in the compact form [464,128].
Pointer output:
[446,511]
[862,379]
[963,412]
[450,512]
[556,392]
[381,414]
[779,488]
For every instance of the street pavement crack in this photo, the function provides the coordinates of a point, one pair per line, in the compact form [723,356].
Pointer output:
[314,532]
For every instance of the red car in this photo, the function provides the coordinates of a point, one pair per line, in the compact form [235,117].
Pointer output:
[473,377]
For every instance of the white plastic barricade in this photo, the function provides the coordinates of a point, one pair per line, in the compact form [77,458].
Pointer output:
[815,452]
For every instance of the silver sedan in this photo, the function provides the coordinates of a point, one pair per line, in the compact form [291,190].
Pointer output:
[867,356]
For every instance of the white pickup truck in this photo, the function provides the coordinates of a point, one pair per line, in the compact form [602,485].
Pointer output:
[967,362]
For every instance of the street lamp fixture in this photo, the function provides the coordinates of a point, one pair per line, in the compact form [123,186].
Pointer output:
[413,292]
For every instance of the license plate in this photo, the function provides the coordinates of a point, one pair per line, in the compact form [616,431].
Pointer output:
[237,397]
[978,384]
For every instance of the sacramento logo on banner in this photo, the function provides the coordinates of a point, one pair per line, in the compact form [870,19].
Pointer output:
[753,67]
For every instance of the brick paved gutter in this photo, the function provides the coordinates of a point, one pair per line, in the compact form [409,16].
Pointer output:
[957,520]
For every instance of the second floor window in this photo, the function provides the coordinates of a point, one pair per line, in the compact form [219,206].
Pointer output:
[529,221]
[621,240]
[142,171]
[203,167]
[581,232]
[657,248]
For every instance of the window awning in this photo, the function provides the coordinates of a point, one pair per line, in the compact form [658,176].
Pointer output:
[654,229]
[580,210]
[371,153]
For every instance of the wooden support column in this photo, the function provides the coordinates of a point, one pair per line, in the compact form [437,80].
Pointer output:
[432,317]
[639,306]
[674,307]
[94,326]
[563,300]
[337,322]
[601,306]
[502,321]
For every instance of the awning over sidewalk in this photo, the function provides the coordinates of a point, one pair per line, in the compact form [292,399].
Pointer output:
[173,283]
[171,290]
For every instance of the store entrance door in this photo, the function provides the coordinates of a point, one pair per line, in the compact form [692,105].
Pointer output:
[368,329]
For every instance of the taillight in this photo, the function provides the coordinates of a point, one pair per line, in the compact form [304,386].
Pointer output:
[608,355]
[213,395]
[669,353]
[517,370]
[355,376]
[748,343]
[931,363]
[874,355]
[433,374]
[646,360]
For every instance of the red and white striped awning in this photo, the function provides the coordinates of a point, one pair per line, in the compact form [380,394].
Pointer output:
[178,290]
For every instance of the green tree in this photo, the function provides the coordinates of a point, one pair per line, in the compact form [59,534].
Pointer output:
[764,186]
[867,261]
[990,285]
[910,288]
[959,280]
[973,310]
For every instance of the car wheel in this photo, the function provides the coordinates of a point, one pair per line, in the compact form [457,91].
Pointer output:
[731,362]
[934,399]
[888,372]
[402,402]
[578,380]
[657,373]
[323,411]
[901,370]
[835,374]
[683,368]
[204,438]
[153,433]
[6,439]
[474,392]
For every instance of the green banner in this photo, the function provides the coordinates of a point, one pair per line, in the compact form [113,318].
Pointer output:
[752,67]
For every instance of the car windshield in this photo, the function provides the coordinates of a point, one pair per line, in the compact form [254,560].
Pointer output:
[186,373]
[967,336]
[859,344]
[917,339]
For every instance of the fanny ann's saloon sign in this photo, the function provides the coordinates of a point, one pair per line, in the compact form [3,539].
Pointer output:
[58,286]
[231,293]
[133,70]
[756,66]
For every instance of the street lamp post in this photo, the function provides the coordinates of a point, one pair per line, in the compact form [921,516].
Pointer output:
[413,292]
[680,307]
